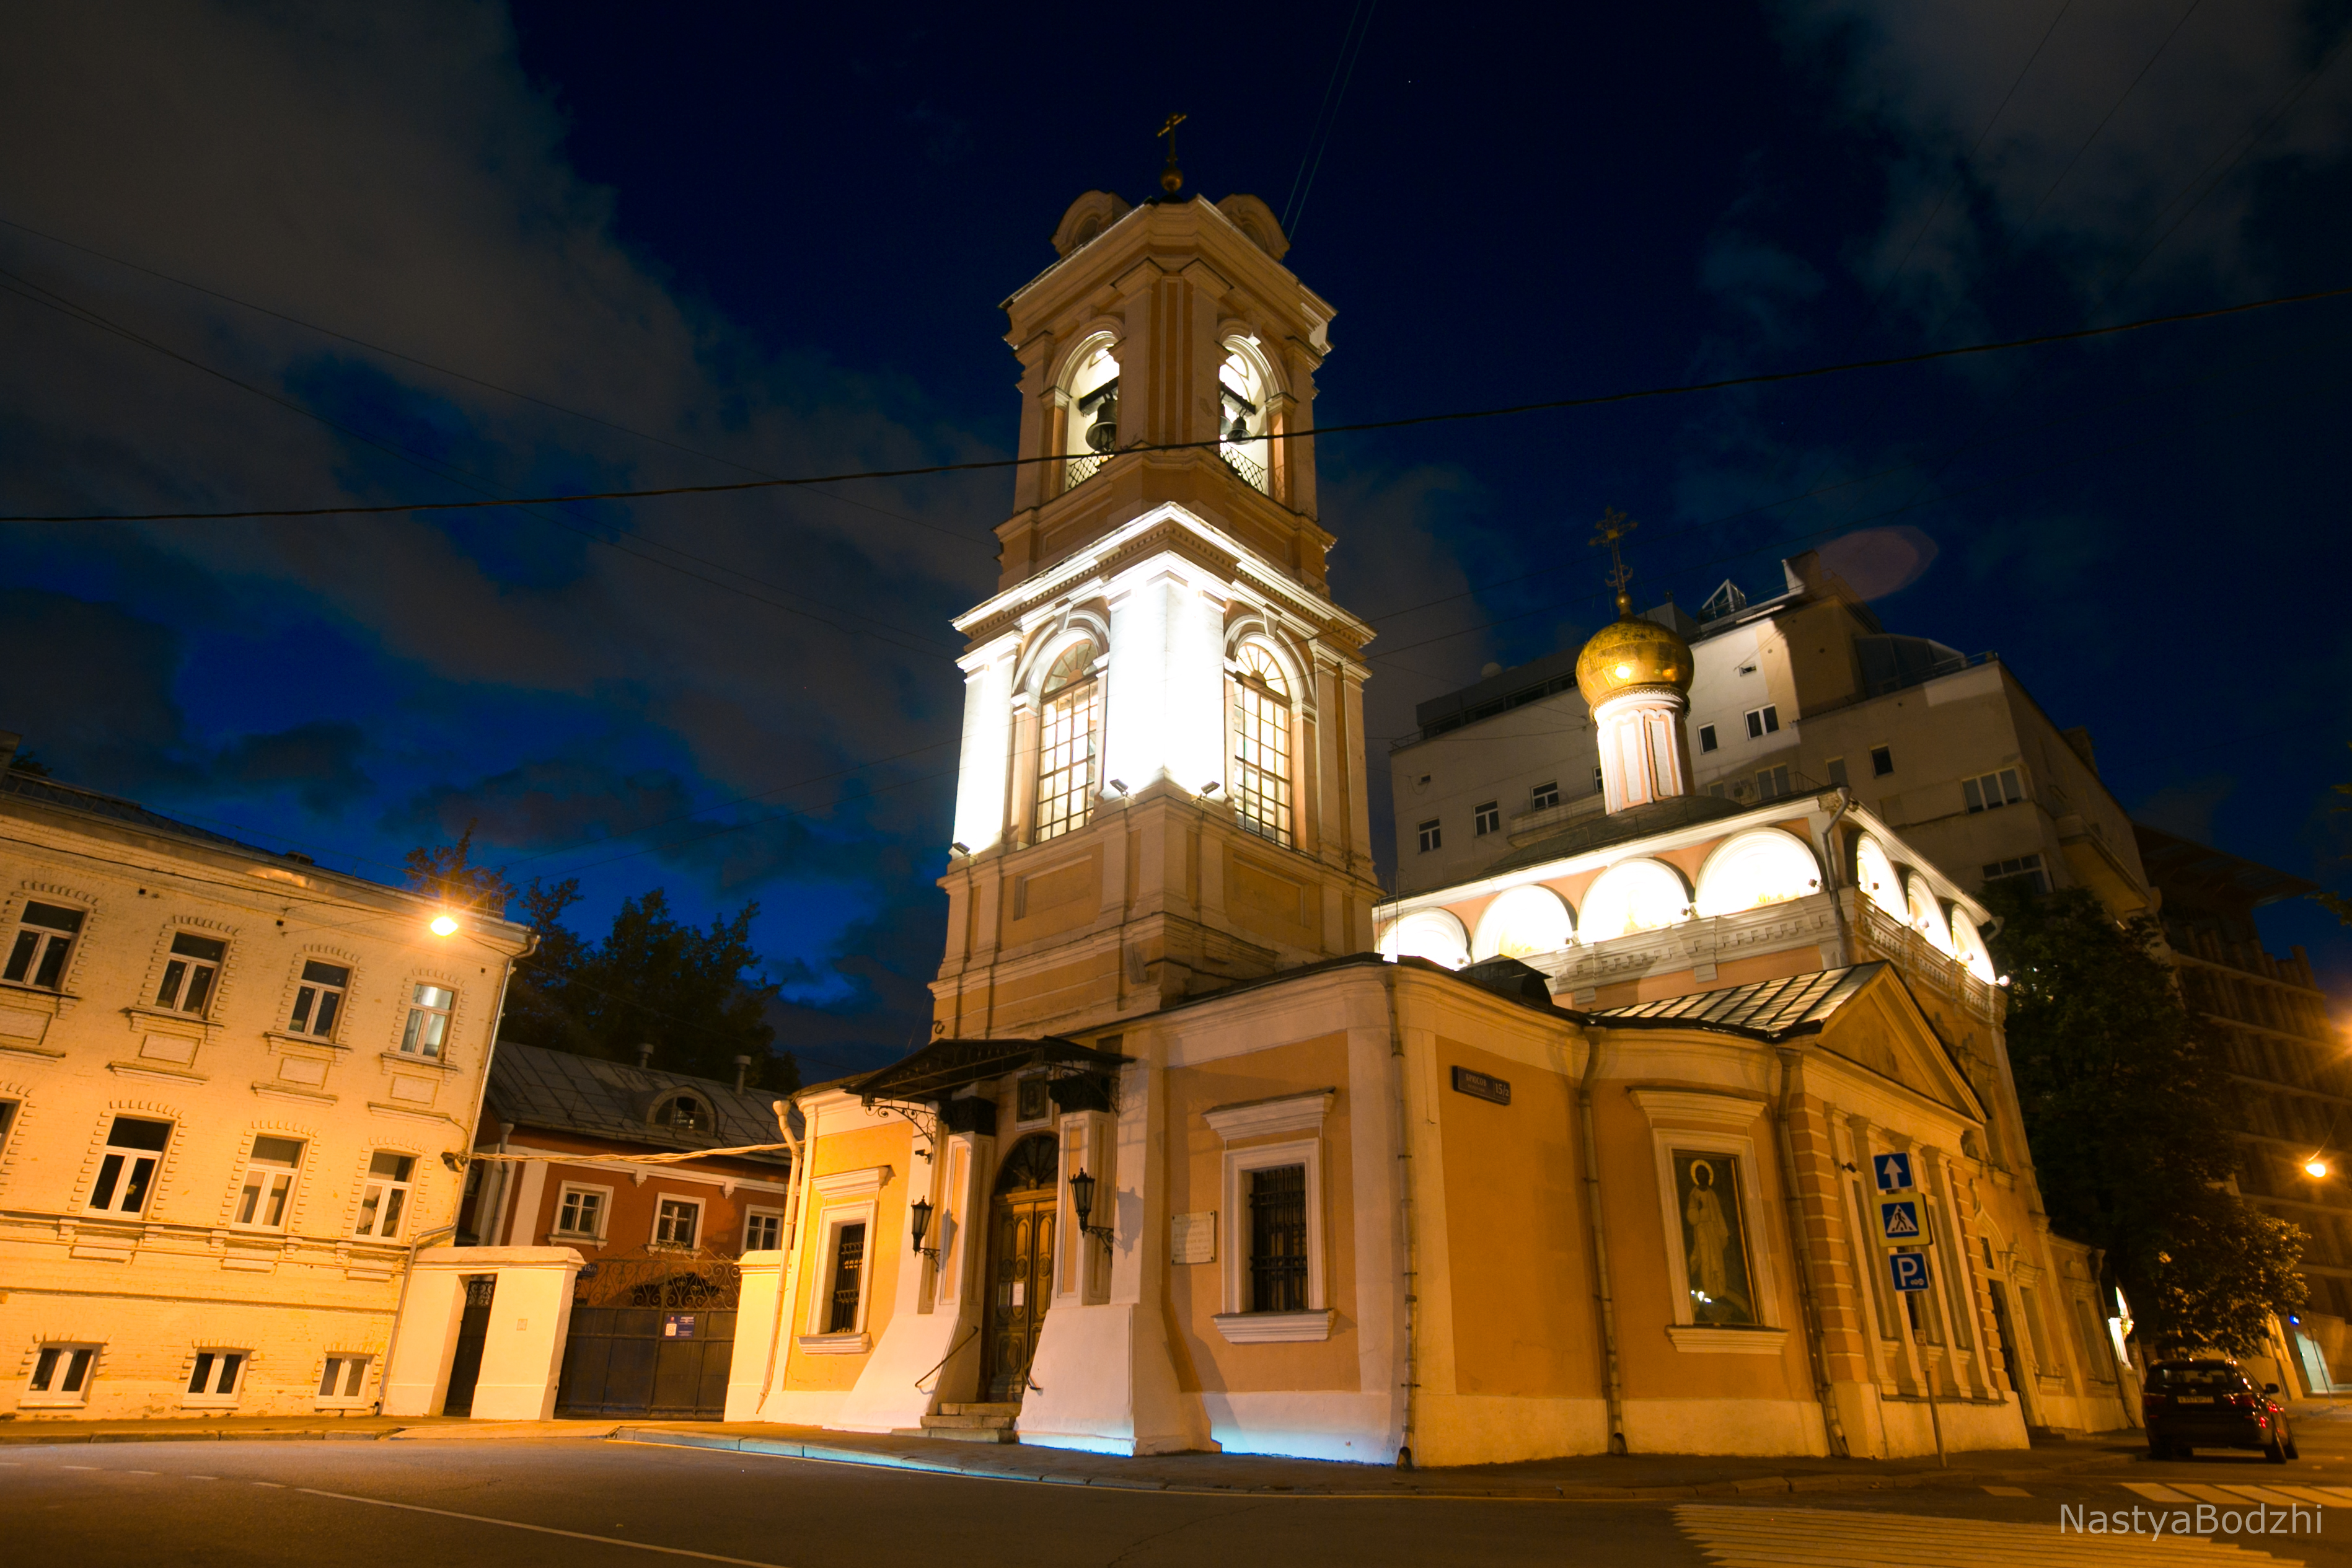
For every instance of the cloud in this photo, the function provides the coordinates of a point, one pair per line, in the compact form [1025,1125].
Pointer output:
[320,760]
[2186,809]
[92,690]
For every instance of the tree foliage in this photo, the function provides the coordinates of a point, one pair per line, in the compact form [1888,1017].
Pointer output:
[697,997]
[2127,1101]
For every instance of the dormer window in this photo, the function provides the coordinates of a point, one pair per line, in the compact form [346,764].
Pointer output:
[683,1113]
[1093,416]
[1242,406]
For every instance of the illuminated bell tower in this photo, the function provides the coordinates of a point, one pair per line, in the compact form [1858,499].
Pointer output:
[1161,789]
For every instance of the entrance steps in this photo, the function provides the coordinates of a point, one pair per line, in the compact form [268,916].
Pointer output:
[973,1422]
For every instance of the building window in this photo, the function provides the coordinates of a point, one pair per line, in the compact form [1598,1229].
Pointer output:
[134,1147]
[268,1184]
[1242,418]
[1278,1256]
[385,1196]
[319,1000]
[580,1211]
[45,937]
[1882,761]
[1835,768]
[677,1222]
[1763,721]
[1072,708]
[344,1379]
[2027,867]
[7,1119]
[1262,745]
[1706,741]
[213,1381]
[1772,783]
[1597,787]
[849,1279]
[60,1376]
[188,978]
[763,1230]
[1990,792]
[1431,835]
[1488,819]
[1544,796]
[686,1114]
[1714,1239]
[429,1019]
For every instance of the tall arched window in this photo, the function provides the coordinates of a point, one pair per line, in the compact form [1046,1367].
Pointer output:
[1244,408]
[1070,704]
[1093,433]
[1262,745]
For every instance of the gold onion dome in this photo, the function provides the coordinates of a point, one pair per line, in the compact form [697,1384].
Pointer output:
[1629,652]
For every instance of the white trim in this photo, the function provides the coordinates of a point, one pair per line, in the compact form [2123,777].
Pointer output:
[564,1190]
[1728,1108]
[829,1223]
[1288,1113]
[1239,1163]
[851,1183]
[835,1344]
[1713,1111]
[751,1214]
[701,1207]
[1269,1328]
[1736,1341]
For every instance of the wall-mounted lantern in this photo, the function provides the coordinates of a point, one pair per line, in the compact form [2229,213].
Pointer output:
[918,1214]
[1082,1198]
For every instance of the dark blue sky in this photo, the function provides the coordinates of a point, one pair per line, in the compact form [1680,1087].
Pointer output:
[579,246]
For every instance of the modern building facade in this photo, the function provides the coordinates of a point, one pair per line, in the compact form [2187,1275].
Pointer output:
[1589,1148]
[232,1090]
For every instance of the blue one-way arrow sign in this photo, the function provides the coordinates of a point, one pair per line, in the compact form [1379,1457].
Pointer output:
[1909,1269]
[1893,1173]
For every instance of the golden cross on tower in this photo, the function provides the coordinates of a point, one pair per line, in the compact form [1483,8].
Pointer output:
[1172,178]
[1613,526]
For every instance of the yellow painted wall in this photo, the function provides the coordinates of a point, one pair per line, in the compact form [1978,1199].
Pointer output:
[857,1149]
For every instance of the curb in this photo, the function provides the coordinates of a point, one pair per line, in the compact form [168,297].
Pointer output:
[46,1439]
[1751,1486]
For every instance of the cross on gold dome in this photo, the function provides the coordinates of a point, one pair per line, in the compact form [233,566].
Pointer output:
[1613,526]
[1172,178]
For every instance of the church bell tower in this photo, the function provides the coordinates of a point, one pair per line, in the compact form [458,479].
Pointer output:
[1162,788]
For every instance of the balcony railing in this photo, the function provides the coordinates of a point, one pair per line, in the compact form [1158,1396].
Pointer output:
[1246,466]
[1080,469]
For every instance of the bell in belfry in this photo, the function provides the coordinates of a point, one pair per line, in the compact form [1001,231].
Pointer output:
[1103,434]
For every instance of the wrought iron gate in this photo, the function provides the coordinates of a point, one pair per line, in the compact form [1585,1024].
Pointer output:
[651,1335]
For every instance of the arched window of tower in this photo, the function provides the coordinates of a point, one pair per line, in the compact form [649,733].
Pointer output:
[1261,773]
[1091,406]
[1245,409]
[1926,913]
[1069,735]
[1874,873]
[1762,866]
[1524,922]
[1634,896]
[1968,945]
[1432,934]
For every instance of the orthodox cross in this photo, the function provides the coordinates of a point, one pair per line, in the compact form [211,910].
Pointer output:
[1613,526]
[1172,178]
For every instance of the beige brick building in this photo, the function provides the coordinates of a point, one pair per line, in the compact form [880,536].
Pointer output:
[228,1081]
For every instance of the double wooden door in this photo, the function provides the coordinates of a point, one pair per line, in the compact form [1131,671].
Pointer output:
[1020,1265]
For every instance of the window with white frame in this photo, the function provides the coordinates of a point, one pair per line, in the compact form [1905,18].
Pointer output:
[845,1296]
[1763,721]
[1486,819]
[1990,792]
[1274,1284]
[581,1210]
[45,939]
[269,1187]
[841,1245]
[60,1376]
[319,1000]
[215,1378]
[1598,786]
[677,1221]
[1069,718]
[763,1230]
[1835,768]
[191,972]
[1706,741]
[1262,745]
[344,1379]
[384,1200]
[1544,796]
[1772,783]
[1431,836]
[427,1030]
[126,1169]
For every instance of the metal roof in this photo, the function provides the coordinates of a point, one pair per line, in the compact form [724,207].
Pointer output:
[1764,1009]
[73,798]
[563,1092]
[2190,872]
[941,1068]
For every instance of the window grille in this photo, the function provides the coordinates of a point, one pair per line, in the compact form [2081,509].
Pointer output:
[1262,745]
[1278,1259]
[848,1270]
[1066,744]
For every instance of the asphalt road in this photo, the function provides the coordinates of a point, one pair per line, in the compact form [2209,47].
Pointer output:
[590,1504]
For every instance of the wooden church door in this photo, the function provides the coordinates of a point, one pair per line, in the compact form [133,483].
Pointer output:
[1020,1264]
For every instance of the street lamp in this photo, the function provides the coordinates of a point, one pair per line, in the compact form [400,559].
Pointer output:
[2315,1168]
[1082,1198]
[444,925]
[920,1213]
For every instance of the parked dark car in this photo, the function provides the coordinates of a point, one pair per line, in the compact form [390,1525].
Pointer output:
[2211,1403]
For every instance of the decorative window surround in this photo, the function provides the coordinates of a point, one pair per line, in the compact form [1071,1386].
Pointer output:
[1716,1121]
[841,1193]
[1283,1113]
[851,1183]
[1270,1328]
[1735,1342]
[1315,1322]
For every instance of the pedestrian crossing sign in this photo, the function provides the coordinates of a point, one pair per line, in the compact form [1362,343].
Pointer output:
[1893,1173]
[1899,1223]
[1909,1269]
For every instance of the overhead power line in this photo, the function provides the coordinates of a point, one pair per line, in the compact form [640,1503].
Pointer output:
[1548,406]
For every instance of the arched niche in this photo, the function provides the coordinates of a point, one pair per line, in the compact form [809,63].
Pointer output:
[1968,946]
[1255,219]
[1874,873]
[1524,922]
[1088,216]
[1749,870]
[1926,914]
[1432,934]
[1246,391]
[1634,896]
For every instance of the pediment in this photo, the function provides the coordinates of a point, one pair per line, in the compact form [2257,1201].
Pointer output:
[1882,1028]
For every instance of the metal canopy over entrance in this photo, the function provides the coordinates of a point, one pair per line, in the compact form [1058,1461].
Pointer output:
[940,1068]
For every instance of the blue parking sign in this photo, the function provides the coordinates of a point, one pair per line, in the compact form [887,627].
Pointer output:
[1909,1269]
[1893,1173]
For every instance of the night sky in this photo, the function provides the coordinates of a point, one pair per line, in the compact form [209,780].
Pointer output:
[262,256]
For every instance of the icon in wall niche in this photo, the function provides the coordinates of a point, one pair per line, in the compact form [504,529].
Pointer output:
[1714,1240]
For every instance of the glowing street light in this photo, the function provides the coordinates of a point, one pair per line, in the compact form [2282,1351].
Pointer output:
[2315,1167]
[444,925]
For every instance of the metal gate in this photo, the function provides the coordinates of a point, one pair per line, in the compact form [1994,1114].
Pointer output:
[652,1335]
[473,1327]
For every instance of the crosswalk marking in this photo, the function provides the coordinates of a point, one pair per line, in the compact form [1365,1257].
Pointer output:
[2154,1493]
[1737,1537]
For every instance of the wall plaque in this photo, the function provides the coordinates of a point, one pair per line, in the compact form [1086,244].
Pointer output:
[1192,1237]
[1482,1086]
